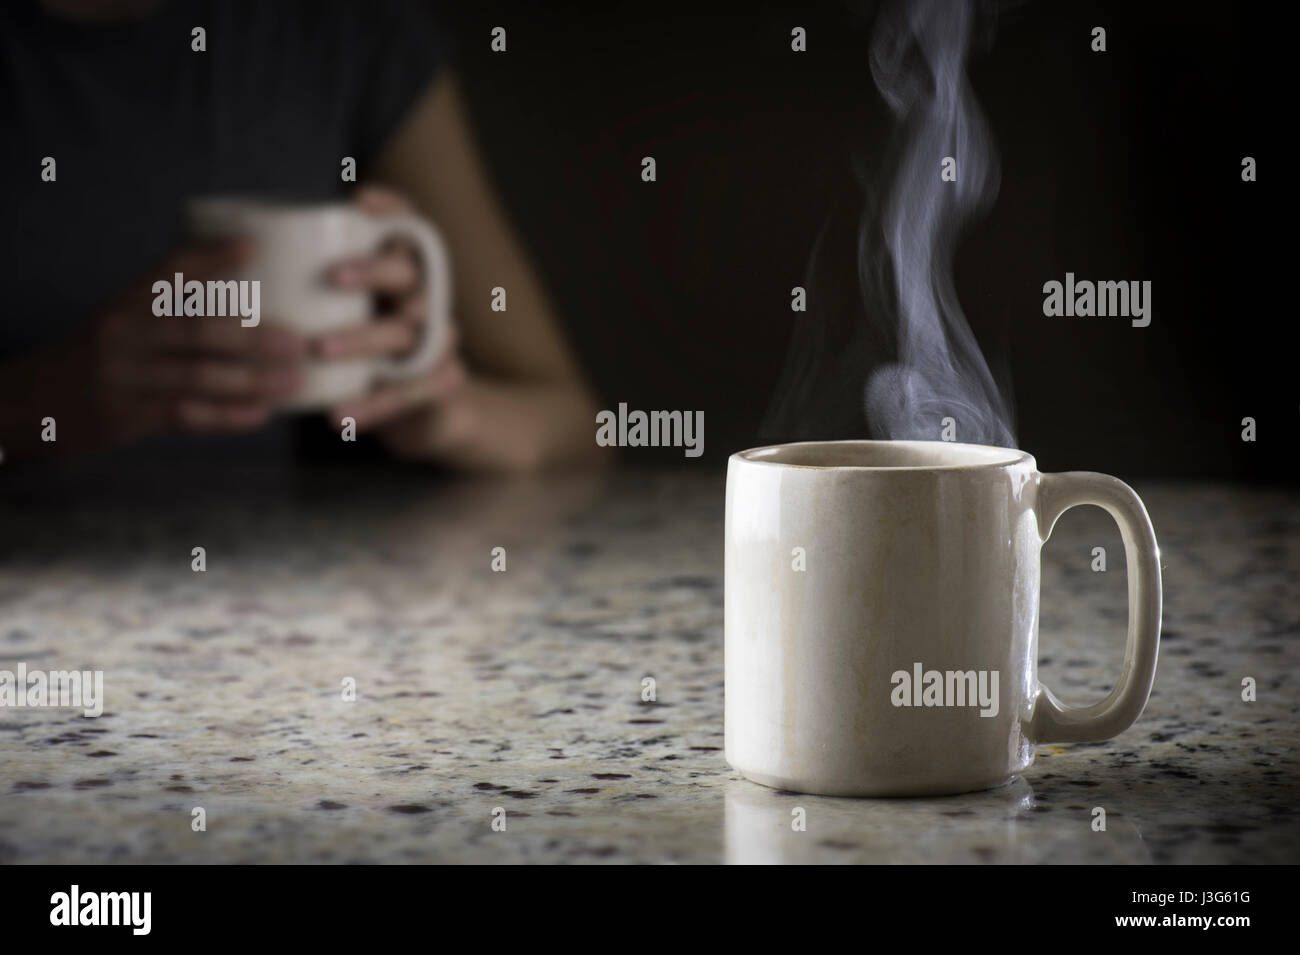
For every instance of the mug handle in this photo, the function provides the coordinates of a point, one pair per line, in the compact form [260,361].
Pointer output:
[1052,721]
[437,280]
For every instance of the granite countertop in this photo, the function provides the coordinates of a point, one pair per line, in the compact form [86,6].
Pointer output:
[521,690]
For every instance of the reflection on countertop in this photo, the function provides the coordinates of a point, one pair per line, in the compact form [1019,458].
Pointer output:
[521,690]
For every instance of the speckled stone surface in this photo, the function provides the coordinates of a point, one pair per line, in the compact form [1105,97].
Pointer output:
[522,690]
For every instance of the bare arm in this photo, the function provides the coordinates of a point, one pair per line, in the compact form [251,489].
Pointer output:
[524,404]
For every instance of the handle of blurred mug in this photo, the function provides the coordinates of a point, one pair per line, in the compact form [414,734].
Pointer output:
[437,282]
[1053,722]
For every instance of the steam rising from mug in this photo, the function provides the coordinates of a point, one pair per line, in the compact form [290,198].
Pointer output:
[918,60]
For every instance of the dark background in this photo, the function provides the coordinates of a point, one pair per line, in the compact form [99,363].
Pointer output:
[1117,165]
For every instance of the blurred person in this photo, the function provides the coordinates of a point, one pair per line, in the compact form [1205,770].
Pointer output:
[138,122]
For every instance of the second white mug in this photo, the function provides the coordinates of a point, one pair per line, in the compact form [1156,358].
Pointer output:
[296,244]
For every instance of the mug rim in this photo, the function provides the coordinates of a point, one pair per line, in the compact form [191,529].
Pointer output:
[993,457]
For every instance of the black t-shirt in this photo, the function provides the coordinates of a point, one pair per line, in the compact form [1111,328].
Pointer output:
[137,121]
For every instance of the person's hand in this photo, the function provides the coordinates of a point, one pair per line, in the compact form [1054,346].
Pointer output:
[128,374]
[394,277]
[447,413]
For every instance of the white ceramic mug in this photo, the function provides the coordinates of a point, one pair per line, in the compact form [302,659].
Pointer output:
[858,571]
[295,246]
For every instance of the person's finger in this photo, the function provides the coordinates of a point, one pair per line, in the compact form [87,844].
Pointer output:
[387,336]
[385,402]
[379,200]
[133,416]
[392,271]
[205,378]
[391,401]
[193,414]
[224,336]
